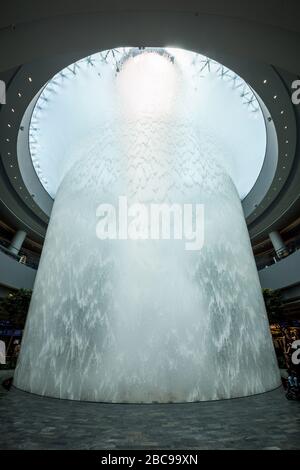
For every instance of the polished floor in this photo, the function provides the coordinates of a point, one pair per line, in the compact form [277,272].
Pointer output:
[266,421]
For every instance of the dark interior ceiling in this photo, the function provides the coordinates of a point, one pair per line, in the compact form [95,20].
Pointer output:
[266,31]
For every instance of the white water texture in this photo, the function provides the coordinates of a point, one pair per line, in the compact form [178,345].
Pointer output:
[146,320]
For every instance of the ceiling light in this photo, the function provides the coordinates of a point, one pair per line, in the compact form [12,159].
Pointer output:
[30,79]
[12,109]
[265,81]
[275,97]
[19,95]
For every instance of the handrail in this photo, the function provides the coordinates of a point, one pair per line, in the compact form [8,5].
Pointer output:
[23,257]
[263,262]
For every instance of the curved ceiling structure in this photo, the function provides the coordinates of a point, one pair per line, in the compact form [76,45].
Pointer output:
[256,30]
[84,96]
[246,40]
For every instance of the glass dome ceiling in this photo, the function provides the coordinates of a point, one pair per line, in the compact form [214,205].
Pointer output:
[79,100]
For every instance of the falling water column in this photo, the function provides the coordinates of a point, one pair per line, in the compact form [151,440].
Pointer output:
[147,320]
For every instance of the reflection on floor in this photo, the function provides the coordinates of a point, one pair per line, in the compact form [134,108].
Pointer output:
[266,421]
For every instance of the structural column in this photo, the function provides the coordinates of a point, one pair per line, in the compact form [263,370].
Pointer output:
[17,242]
[278,244]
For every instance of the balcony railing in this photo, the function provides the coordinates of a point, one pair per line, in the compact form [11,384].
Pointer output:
[25,256]
[264,261]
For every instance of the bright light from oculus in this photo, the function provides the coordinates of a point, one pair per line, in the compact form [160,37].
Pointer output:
[147,84]
[127,82]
